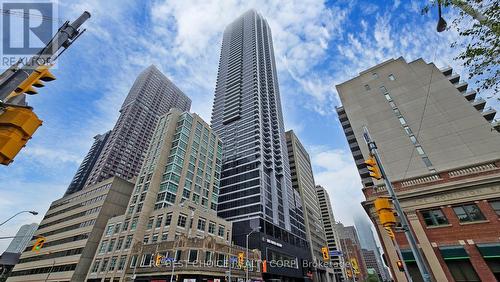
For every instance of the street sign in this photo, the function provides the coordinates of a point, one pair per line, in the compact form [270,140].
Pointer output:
[335,253]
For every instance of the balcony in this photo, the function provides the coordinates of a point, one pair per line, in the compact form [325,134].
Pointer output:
[470,95]
[462,86]
[447,71]
[454,78]
[489,114]
[479,104]
[496,125]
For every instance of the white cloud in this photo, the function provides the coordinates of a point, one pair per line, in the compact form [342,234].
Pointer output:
[335,170]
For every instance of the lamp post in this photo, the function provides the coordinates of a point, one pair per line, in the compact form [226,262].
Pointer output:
[32,212]
[246,268]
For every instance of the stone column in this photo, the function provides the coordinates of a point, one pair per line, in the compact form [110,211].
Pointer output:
[432,260]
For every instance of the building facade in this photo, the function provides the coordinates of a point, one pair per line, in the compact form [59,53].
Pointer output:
[440,150]
[151,96]
[22,238]
[332,239]
[354,263]
[367,241]
[256,188]
[72,227]
[303,182]
[83,172]
[176,194]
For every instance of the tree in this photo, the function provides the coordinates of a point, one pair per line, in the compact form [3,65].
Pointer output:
[479,23]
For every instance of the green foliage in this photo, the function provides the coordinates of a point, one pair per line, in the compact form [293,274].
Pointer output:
[372,278]
[479,25]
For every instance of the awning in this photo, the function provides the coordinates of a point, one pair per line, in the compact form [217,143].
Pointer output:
[489,250]
[453,253]
[407,256]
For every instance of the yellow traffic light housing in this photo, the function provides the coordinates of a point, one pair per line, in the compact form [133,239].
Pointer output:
[385,212]
[326,255]
[38,244]
[372,166]
[35,79]
[17,125]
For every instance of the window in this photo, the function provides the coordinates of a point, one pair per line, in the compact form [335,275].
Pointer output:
[367,87]
[181,222]
[208,256]
[388,97]
[109,230]
[211,227]
[178,255]
[125,225]
[154,239]
[495,205]
[121,263]
[146,260]
[164,236]
[133,226]
[119,244]
[150,223]
[168,220]
[427,162]
[392,77]
[375,75]
[104,264]
[221,230]
[128,242]
[111,245]
[201,224]
[413,139]
[420,150]
[434,217]
[95,267]
[193,255]
[133,261]
[117,227]
[146,239]
[158,221]
[383,90]
[112,264]
[468,213]
[402,121]
[462,270]
[103,246]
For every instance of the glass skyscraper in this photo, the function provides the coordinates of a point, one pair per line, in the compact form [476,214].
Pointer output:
[256,189]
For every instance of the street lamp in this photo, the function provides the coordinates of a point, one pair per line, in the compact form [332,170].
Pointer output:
[441,26]
[32,212]
[246,268]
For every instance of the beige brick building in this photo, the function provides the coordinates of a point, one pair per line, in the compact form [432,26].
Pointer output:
[73,226]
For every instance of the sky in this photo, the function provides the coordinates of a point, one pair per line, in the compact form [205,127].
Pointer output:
[317,45]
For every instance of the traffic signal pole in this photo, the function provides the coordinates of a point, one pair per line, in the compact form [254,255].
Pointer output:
[64,37]
[404,221]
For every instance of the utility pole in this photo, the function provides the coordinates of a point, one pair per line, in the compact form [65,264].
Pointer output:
[18,122]
[64,37]
[402,216]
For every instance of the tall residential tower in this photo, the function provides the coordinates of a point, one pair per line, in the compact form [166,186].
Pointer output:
[151,96]
[303,182]
[256,189]
[83,172]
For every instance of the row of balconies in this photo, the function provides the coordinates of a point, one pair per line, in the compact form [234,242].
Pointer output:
[479,103]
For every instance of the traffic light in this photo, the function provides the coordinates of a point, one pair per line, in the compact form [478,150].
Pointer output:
[385,212]
[400,265]
[241,259]
[17,125]
[158,259]
[372,166]
[324,251]
[38,244]
[35,79]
